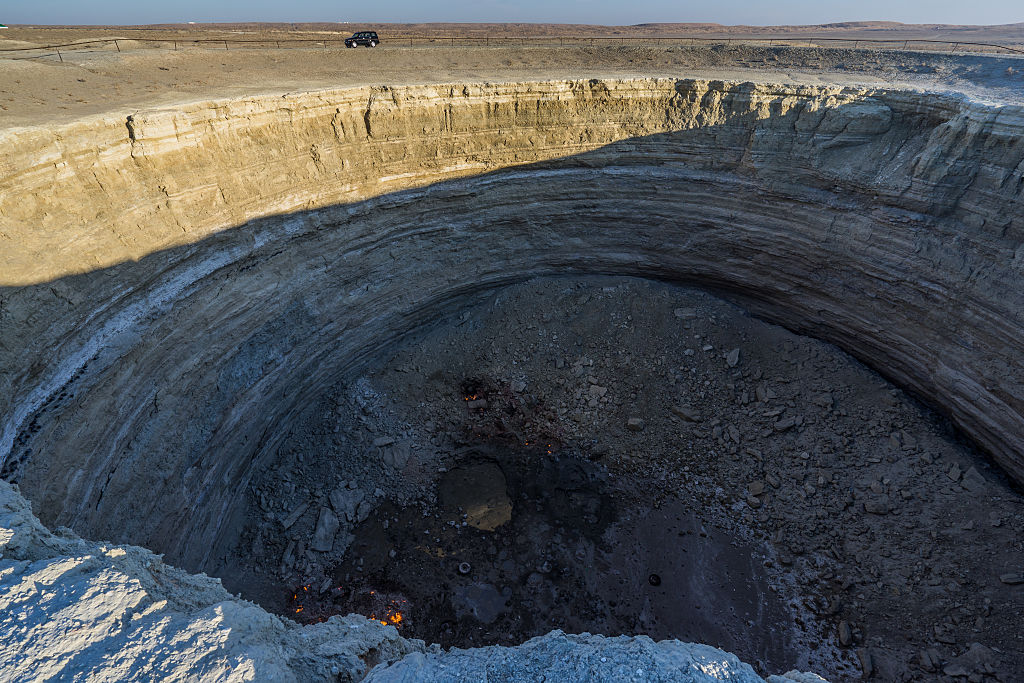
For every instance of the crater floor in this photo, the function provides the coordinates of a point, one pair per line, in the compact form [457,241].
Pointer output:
[794,507]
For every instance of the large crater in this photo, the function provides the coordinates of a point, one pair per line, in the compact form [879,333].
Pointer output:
[178,285]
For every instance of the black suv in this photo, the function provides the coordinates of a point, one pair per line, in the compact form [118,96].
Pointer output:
[367,38]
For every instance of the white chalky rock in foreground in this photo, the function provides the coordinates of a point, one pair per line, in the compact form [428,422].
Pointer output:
[76,608]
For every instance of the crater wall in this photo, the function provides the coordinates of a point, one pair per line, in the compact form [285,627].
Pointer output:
[177,285]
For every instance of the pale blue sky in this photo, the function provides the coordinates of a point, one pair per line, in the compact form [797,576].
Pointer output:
[760,12]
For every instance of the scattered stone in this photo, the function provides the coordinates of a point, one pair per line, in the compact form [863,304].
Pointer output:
[397,456]
[867,666]
[685,313]
[734,433]
[477,404]
[350,504]
[326,527]
[954,472]
[635,424]
[879,505]
[687,413]
[288,557]
[753,502]
[929,659]
[382,441]
[772,480]
[956,670]
[518,387]
[845,633]
[732,359]
[785,424]
[1012,579]
[597,392]
[756,487]
[823,400]
[294,516]
[973,481]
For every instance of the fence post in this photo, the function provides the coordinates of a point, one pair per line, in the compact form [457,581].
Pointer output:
[117,46]
[225,44]
[175,46]
[905,42]
[855,44]
[955,47]
[58,54]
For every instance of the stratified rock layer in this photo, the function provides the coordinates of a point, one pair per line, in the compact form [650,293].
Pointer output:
[178,284]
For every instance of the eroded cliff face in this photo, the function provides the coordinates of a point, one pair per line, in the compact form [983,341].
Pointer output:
[177,284]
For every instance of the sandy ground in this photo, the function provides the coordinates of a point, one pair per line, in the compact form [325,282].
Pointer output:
[44,91]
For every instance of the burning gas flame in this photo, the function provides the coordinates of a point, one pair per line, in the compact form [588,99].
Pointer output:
[392,615]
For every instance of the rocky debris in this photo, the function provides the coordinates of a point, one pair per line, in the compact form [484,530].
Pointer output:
[867,665]
[879,505]
[973,481]
[350,502]
[1012,578]
[635,424]
[929,659]
[327,526]
[732,359]
[396,455]
[76,608]
[785,424]
[687,413]
[294,516]
[845,633]
[976,663]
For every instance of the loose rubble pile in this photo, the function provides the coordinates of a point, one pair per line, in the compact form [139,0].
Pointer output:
[77,609]
[893,549]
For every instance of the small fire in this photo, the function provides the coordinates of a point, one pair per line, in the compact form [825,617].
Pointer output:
[295,598]
[392,615]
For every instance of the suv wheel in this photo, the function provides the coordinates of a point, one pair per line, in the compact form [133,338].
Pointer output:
[373,43]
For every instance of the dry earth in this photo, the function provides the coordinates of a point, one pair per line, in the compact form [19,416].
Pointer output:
[44,90]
